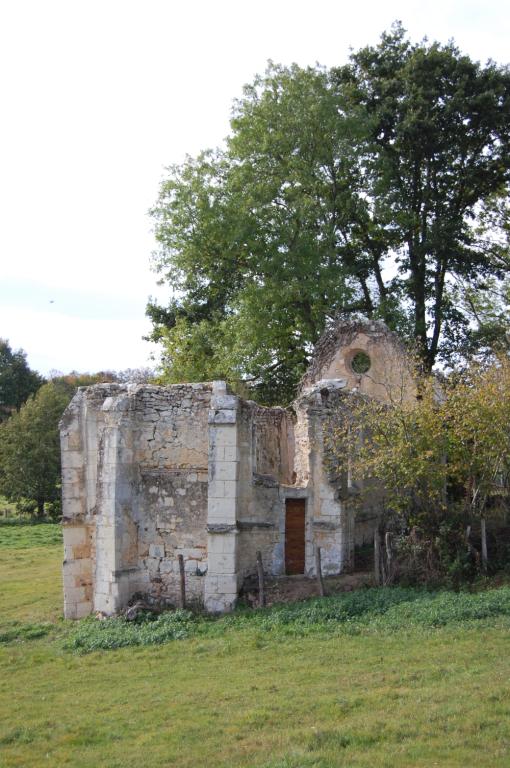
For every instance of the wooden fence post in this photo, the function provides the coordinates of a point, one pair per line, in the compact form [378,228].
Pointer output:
[377,558]
[318,571]
[389,557]
[260,571]
[182,581]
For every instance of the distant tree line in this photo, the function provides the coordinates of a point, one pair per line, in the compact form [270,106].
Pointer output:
[30,409]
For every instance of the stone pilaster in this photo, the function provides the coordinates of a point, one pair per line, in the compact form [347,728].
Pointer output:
[112,580]
[326,523]
[77,569]
[221,586]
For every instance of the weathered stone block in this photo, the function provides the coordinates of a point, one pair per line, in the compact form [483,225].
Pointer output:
[222,417]
[221,564]
[75,534]
[83,609]
[224,402]
[230,489]
[74,476]
[72,460]
[224,470]
[167,566]
[226,437]
[216,489]
[75,594]
[74,610]
[157,550]
[227,584]
[231,453]
[217,603]
[216,453]
[221,510]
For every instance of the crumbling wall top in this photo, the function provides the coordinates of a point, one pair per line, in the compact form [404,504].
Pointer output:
[365,355]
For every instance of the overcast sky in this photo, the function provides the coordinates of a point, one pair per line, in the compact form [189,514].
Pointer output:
[98,96]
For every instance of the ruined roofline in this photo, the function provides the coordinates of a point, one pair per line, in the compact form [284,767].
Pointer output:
[341,334]
[99,393]
[96,394]
[114,387]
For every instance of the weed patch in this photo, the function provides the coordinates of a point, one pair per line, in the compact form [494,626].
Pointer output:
[93,634]
[17,632]
[20,735]
[373,611]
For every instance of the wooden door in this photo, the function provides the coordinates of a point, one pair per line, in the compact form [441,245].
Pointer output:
[294,536]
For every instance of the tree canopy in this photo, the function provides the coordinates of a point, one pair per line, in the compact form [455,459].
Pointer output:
[30,448]
[360,188]
[17,381]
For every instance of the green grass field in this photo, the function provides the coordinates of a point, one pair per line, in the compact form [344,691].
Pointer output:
[378,678]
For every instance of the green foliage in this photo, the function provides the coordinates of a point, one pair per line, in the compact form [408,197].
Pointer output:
[365,612]
[437,148]
[30,449]
[17,381]
[439,461]
[18,632]
[20,535]
[70,382]
[106,634]
[478,423]
[402,444]
[240,242]
[360,188]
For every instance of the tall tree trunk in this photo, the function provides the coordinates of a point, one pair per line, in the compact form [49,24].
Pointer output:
[439,283]
[418,272]
[484,544]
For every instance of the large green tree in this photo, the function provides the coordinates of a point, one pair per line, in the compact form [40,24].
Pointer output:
[30,448]
[252,238]
[355,189]
[437,149]
[17,381]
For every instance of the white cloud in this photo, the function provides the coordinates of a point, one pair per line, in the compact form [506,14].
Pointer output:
[66,343]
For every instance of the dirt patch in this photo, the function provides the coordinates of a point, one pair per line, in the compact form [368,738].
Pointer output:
[289,589]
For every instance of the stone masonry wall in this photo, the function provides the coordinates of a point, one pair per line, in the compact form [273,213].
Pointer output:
[267,453]
[170,514]
[390,375]
[134,494]
[80,425]
[327,523]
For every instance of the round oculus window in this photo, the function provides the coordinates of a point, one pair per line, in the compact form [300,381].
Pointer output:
[361,362]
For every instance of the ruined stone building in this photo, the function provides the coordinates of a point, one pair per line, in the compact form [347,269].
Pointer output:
[152,472]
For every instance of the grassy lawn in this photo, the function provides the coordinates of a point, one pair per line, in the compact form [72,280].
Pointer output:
[30,573]
[408,681]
